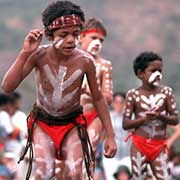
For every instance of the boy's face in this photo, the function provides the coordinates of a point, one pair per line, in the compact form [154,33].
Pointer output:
[92,42]
[152,74]
[123,176]
[118,104]
[65,39]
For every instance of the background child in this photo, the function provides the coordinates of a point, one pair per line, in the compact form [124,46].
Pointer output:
[91,41]
[154,108]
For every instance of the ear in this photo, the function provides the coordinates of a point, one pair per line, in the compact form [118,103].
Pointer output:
[80,38]
[140,74]
[50,38]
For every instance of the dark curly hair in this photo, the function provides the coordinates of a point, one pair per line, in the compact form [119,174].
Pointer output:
[96,24]
[57,9]
[142,60]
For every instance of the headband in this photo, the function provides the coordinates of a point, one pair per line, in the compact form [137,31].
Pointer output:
[92,30]
[66,21]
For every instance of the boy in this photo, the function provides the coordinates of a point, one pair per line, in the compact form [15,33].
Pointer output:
[91,40]
[56,122]
[154,108]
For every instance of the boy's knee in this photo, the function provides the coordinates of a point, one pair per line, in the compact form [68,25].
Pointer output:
[45,170]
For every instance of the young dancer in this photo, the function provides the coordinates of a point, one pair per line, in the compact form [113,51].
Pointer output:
[56,124]
[154,108]
[91,41]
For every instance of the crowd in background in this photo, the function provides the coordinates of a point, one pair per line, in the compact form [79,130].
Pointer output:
[13,133]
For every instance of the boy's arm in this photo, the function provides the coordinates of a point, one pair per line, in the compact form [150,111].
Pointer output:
[107,84]
[128,111]
[172,117]
[101,108]
[23,63]
[175,135]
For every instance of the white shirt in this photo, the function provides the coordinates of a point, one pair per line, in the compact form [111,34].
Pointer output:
[5,122]
[19,121]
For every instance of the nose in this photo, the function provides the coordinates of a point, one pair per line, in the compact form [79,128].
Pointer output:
[97,42]
[71,39]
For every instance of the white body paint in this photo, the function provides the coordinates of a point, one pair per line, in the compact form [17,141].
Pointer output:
[139,166]
[94,44]
[58,100]
[153,102]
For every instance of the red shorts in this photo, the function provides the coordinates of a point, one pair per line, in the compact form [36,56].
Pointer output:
[90,116]
[151,148]
[56,133]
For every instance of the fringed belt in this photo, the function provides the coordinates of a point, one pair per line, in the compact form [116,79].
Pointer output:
[40,115]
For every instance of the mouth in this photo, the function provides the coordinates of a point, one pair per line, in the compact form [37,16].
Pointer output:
[70,47]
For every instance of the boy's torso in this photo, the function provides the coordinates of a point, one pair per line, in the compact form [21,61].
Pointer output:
[58,82]
[102,66]
[146,102]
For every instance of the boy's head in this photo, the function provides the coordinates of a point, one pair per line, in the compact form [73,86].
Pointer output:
[122,173]
[148,66]
[17,100]
[62,14]
[118,101]
[6,103]
[92,36]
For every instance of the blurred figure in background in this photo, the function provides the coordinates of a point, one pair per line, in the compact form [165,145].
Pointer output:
[19,117]
[6,127]
[122,156]
[122,173]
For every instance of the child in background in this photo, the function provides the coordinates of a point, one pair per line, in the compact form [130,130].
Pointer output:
[154,108]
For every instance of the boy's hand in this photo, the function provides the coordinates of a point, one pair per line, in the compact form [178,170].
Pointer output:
[110,147]
[152,115]
[32,40]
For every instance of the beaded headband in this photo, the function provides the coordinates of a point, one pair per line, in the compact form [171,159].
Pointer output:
[66,21]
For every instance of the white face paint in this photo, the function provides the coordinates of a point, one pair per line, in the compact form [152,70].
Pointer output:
[155,78]
[77,41]
[57,43]
[94,47]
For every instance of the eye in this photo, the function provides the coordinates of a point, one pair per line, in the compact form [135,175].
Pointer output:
[76,33]
[94,37]
[63,35]
[101,40]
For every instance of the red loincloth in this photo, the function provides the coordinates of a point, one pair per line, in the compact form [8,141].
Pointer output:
[151,148]
[90,116]
[56,133]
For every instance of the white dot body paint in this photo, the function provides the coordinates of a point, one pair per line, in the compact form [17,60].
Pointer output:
[94,44]
[153,78]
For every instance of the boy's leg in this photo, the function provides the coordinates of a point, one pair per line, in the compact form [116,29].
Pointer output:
[45,154]
[59,169]
[95,130]
[73,157]
[139,164]
[160,167]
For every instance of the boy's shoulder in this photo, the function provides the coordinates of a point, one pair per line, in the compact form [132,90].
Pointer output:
[163,89]
[105,62]
[166,90]
[84,56]
[132,91]
[41,51]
